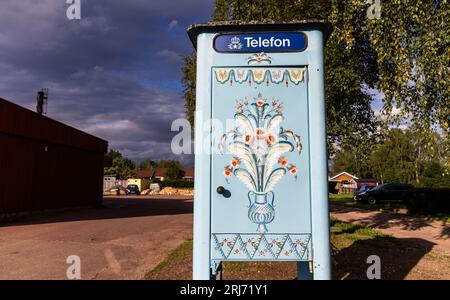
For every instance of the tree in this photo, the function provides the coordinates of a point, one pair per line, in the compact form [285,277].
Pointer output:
[412,42]
[405,54]
[405,156]
[348,68]
[188,80]
[147,164]
[121,166]
[174,169]
[397,156]
[355,158]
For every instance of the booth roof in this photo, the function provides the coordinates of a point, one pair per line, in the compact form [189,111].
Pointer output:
[231,26]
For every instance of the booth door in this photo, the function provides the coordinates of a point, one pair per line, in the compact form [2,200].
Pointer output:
[260,189]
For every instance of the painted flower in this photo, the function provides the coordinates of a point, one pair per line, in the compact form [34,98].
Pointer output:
[260,103]
[293,170]
[228,172]
[235,162]
[283,161]
[274,102]
[289,133]
[245,102]
[270,139]
[248,139]
[260,134]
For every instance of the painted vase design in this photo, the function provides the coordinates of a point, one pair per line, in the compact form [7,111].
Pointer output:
[258,144]
[260,211]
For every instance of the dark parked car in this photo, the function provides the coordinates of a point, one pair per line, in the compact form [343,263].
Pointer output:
[385,192]
[133,190]
[361,189]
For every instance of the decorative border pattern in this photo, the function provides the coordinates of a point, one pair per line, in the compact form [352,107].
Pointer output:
[259,247]
[260,75]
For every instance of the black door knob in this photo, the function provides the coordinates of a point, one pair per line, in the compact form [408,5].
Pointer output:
[220,190]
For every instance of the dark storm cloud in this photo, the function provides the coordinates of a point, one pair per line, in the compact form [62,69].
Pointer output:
[114,73]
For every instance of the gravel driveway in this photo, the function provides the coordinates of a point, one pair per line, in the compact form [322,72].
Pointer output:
[122,240]
[431,231]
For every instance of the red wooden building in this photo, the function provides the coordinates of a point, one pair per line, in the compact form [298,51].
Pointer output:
[45,164]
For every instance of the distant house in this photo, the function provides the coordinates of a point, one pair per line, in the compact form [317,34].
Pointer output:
[345,182]
[110,181]
[144,174]
[369,182]
[160,173]
[142,183]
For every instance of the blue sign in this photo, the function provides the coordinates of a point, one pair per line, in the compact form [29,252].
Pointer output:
[261,42]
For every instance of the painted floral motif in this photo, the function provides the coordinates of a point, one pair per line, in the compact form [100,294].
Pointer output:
[258,145]
[259,58]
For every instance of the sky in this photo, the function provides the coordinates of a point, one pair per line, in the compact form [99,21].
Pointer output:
[115,73]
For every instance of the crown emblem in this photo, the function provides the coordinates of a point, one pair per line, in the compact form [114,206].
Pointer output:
[235,44]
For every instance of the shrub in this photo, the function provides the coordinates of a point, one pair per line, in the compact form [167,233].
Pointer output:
[428,201]
[332,187]
[186,184]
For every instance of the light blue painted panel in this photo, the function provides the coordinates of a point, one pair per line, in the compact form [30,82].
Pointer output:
[291,209]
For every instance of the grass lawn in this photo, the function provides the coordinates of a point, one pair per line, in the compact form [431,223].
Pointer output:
[352,244]
[387,207]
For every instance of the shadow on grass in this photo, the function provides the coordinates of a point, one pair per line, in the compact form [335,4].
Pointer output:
[398,257]
[386,220]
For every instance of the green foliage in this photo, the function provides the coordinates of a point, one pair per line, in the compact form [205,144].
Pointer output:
[355,157]
[147,164]
[412,40]
[332,187]
[412,43]
[405,55]
[399,156]
[174,169]
[189,78]
[121,166]
[187,184]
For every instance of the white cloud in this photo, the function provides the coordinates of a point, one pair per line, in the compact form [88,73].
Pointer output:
[169,55]
[173,24]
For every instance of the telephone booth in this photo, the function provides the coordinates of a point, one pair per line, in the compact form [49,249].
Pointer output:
[261,190]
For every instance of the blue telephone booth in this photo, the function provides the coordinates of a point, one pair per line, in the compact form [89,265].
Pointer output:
[261,187]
